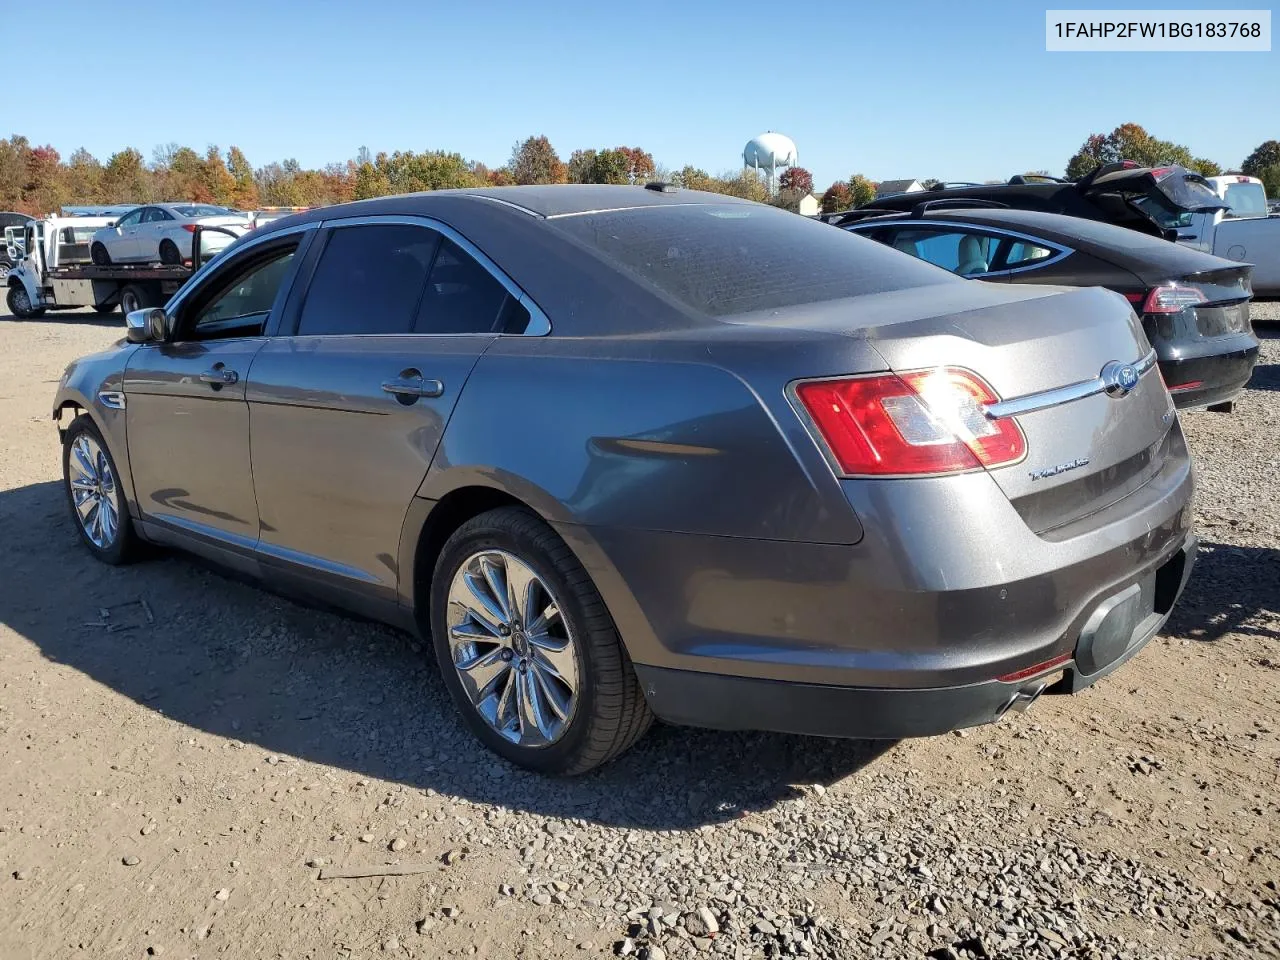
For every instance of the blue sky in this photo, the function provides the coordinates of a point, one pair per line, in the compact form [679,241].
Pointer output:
[889,89]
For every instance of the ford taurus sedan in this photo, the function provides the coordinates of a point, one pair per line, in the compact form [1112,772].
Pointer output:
[626,452]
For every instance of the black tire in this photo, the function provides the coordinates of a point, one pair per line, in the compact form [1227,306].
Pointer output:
[103,307]
[169,254]
[132,298]
[98,254]
[20,304]
[611,713]
[124,547]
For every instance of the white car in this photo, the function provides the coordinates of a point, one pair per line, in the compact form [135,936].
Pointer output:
[163,231]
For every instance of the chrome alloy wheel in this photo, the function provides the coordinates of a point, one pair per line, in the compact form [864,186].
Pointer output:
[93,490]
[512,648]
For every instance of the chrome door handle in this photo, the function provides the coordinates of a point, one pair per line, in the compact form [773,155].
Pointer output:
[219,378]
[411,388]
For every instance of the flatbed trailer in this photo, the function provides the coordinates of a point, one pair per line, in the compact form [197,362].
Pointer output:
[56,272]
[129,287]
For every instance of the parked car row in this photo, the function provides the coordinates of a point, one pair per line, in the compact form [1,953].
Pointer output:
[625,452]
[1222,218]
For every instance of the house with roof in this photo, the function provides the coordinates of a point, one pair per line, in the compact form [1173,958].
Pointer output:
[889,187]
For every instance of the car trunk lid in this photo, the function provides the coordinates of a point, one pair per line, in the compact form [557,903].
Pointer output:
[1044,349]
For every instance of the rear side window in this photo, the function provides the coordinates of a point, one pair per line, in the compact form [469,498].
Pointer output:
[963,252]
[370,280]
[723,260]
[463,297]
[1246,199]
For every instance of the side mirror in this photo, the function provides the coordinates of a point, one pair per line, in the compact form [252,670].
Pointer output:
[111,223]
[13,254]
[147,326]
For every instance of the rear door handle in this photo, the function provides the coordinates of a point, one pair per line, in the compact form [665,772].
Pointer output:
[406,388]
[219,377]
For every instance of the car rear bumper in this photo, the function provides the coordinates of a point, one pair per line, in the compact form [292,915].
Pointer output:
[1216,378]
[1116,627]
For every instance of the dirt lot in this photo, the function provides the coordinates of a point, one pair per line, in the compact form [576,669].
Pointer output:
[164,788]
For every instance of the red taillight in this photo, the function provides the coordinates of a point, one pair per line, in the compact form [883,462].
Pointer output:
[925,421]
[1172,298]
[1135,297]
[189,227]
[1159,172]
[1184,387]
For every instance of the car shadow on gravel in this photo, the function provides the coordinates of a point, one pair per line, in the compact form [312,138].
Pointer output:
[1232,589]
[233,660]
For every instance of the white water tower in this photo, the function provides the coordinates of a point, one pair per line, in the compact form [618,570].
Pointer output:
[770,152]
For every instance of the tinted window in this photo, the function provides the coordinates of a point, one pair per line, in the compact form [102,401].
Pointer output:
[723,260]
[462,296]
[248,294]
[1023,253]
[370,279]
[156,215]
[961,251]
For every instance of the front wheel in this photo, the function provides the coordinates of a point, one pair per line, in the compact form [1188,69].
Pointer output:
[527,649]
[98,254]
[20,304]
[92,485]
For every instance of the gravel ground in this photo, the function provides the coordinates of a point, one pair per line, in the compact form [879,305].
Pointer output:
[179,783]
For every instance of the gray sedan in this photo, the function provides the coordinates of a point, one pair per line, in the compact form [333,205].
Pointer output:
[626,452]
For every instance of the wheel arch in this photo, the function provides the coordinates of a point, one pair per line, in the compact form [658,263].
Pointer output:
[428,526]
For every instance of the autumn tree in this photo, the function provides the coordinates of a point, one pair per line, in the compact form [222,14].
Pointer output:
[216,178]
[124,178]
[861,190]
[1266,154]
[83,178]
[581,166]
[1129,141]
[639,163]
[244,190]
[536,161]
[837,197]
[796,180]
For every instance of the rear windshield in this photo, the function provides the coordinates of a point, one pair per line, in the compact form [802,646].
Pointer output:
[1246,200]
[723,260]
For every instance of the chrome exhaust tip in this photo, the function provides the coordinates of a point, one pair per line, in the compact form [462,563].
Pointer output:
[1024,698]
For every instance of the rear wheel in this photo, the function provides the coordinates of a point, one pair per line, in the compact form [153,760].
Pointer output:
[527,649]
[93,491]
[98,254]
[132,298]
[20,304]
[169,254]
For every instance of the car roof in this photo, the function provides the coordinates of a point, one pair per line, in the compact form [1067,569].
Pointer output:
[542,201]
[1143,254]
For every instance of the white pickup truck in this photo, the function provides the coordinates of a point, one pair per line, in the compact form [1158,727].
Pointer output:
[1243,231]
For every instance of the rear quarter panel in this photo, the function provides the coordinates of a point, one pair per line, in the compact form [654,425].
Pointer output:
[637,438]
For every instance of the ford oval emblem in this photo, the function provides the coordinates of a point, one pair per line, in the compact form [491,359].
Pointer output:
[1119,379]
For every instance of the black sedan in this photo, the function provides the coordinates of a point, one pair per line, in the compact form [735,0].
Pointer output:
[1194,307]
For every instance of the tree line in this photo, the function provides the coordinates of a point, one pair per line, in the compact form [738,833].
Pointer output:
[37,180]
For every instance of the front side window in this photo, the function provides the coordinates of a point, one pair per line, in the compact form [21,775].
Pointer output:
[369,280]
[130,219]
[239,307]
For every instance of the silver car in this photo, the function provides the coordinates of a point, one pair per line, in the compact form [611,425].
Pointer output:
[623,452]
[163,232]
